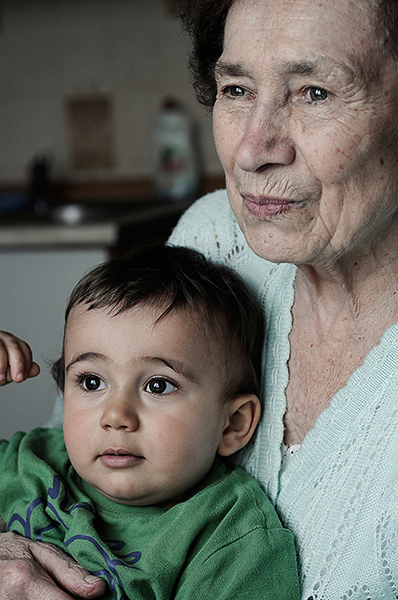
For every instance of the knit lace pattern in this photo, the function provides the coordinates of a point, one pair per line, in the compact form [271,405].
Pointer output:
[339,492]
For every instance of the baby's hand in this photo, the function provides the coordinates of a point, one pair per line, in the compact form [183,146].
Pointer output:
[16,363]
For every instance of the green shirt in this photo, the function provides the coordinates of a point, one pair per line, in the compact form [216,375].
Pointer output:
[225,542]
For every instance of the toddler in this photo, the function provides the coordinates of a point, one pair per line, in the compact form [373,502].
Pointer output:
[159,372]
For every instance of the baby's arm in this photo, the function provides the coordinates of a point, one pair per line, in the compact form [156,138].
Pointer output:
[16,362]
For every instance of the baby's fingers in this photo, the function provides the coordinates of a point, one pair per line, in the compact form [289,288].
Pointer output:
[34,370]
[16,362]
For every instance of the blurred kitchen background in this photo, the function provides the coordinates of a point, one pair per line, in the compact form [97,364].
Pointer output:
[81,86]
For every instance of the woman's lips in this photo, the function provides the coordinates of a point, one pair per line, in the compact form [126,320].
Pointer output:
[268,206]
[119,458]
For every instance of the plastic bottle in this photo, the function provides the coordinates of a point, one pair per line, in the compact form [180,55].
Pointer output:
[175,165]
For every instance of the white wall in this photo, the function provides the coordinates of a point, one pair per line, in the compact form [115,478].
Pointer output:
[52,50]
[34,288]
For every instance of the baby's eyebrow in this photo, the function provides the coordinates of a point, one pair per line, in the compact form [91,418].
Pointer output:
[174,365]
[85,356]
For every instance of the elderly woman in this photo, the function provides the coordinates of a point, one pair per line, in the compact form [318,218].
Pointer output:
[304,101]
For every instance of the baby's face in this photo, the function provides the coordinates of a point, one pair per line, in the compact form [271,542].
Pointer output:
[143,414]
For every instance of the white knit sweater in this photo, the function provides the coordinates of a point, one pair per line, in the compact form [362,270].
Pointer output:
[339,492]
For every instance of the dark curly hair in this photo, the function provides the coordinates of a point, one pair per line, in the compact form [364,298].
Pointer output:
[204,21]
[180,279]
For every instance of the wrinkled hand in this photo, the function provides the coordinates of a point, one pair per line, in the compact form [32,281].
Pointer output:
[16,362]
[38,571]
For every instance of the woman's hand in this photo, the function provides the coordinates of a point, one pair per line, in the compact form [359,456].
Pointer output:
[37,571]
[16,363]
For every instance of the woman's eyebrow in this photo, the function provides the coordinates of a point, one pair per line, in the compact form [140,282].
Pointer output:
[223,69]
[301,67]
[307,67]
[317,66]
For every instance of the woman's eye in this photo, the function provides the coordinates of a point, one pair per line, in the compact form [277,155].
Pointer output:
[92,383]
[317,94]
[234,91]
[160,386]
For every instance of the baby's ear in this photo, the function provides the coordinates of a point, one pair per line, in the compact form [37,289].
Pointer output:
[243,414]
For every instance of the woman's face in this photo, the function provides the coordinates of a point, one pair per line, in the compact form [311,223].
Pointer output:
[305,123]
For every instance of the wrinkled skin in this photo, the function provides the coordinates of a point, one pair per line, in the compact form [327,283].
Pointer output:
[305,124]
[35,571]
[306,128]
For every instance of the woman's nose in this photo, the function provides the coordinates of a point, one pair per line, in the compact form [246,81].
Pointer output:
[265,140]
[120,413]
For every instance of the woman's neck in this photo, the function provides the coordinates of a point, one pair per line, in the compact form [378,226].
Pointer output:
[361,290]
[337,320]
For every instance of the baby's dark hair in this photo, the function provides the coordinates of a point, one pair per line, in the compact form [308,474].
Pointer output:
[174,278]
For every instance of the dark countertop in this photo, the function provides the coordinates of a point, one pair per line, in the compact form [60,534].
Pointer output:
[98,224]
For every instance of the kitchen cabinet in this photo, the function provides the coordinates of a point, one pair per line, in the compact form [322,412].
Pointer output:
[34,287]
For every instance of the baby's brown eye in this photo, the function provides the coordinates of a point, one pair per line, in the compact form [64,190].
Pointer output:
[159,386]
[92,383]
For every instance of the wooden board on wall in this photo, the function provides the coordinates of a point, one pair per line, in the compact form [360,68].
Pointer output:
[91,132]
